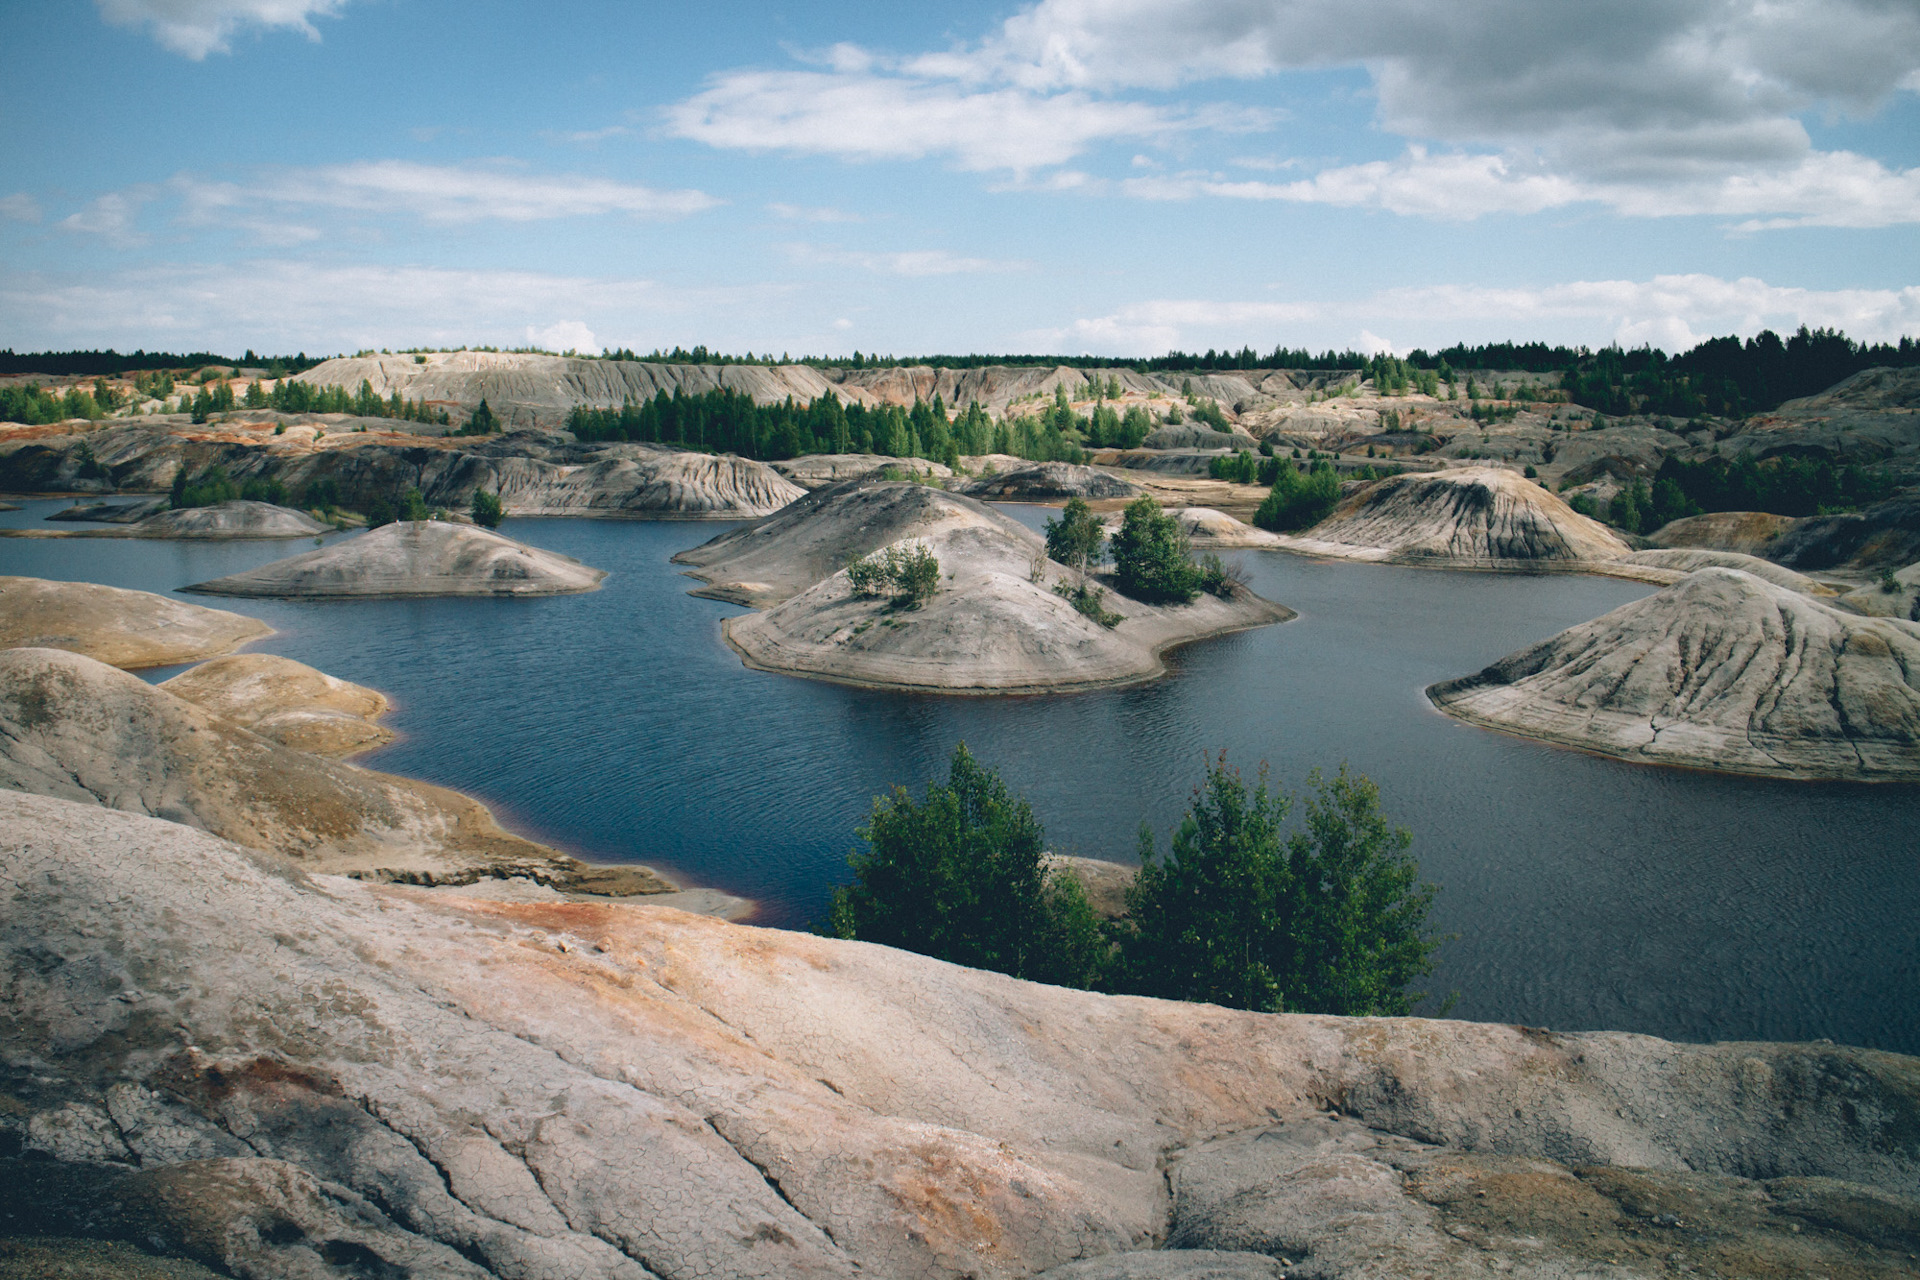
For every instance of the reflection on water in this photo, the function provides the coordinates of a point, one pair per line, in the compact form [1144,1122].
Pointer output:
[1585,892]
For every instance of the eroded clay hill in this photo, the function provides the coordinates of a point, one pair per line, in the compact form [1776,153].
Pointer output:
[131,629]
[414,558]
[287,701]
[535,473]
[289,1077]
[1486,517]
[82,731]
[1722,670]
[995,625]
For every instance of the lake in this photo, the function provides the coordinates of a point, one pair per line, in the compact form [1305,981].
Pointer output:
[1586,893]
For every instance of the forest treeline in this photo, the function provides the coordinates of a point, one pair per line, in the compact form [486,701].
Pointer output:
[1724,377]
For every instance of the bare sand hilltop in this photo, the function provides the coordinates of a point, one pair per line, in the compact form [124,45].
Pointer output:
[287,701]
[131,629]
[1467,517]
[223,1059]
[414,558]
[995,624]
[1723,670]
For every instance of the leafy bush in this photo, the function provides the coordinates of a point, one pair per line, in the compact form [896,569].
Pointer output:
[1150,556]
[961,875]
[1333,919]
[1077,537]
[1088,599]
[1238,468]
[910,574]
[487,511]
[1219,577]
[1299,502]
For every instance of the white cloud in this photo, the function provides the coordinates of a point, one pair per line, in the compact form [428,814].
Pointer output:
[459,193]
[112,217]
[808,213]
[858,114]
[19,208]
[1673,312]
[279,304]
[196,28]
[1835,189]
[912,262]
[567,335]
[1652,107]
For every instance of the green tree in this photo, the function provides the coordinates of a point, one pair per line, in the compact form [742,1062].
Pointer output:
[1076,537]
[413,506]
[487,511]
[1332,919]
[1151,557]
[1298,502]
[482,422]
[961,875]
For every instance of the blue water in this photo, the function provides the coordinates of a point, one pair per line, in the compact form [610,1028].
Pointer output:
[1586,893]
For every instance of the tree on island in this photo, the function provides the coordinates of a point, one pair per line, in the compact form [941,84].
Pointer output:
[1076,537]
[1151,556]
[1298,502]
[961,875]
[487,511]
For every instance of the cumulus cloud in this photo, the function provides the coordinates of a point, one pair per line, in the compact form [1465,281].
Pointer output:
[1673,312]
[1654,107]
[567,335]
[196,28]
[911,262]
[283,304]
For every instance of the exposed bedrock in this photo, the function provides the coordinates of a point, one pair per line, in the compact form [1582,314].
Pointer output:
[1898,598]
[79,730]
[1722,670]
[236,519]
[1044,481]
[1883,536]
[995,624]
[414,558]
[1748,532]
[131,629]
[221,1057]
[818,470]
[287,701]
[535,473]
[1673,564]
[1482,517]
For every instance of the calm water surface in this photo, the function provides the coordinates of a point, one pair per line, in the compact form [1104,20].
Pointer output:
[1586,893]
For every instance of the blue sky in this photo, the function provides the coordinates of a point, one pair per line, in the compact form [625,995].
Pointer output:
[1107,176]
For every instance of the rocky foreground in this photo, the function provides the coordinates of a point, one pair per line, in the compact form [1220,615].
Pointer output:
[414,558]
[1469,517]
[1723,670]
[995,624]
[219,1057]
[287,701]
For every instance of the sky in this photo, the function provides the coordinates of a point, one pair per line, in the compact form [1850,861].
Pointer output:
[1107,177]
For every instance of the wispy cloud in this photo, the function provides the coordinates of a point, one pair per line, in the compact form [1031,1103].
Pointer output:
[865,115]
[807,213]
[1832,189]
[112,218]
[912,262]
[288,304]
[196,28]
[1673,311]
[20,208]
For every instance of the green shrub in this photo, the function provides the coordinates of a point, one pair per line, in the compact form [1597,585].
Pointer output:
[487,511]
[1089,600]
[961,875]
[1077,537]
[1332,919]
[909,573]
[1298,502]
[1150,556]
